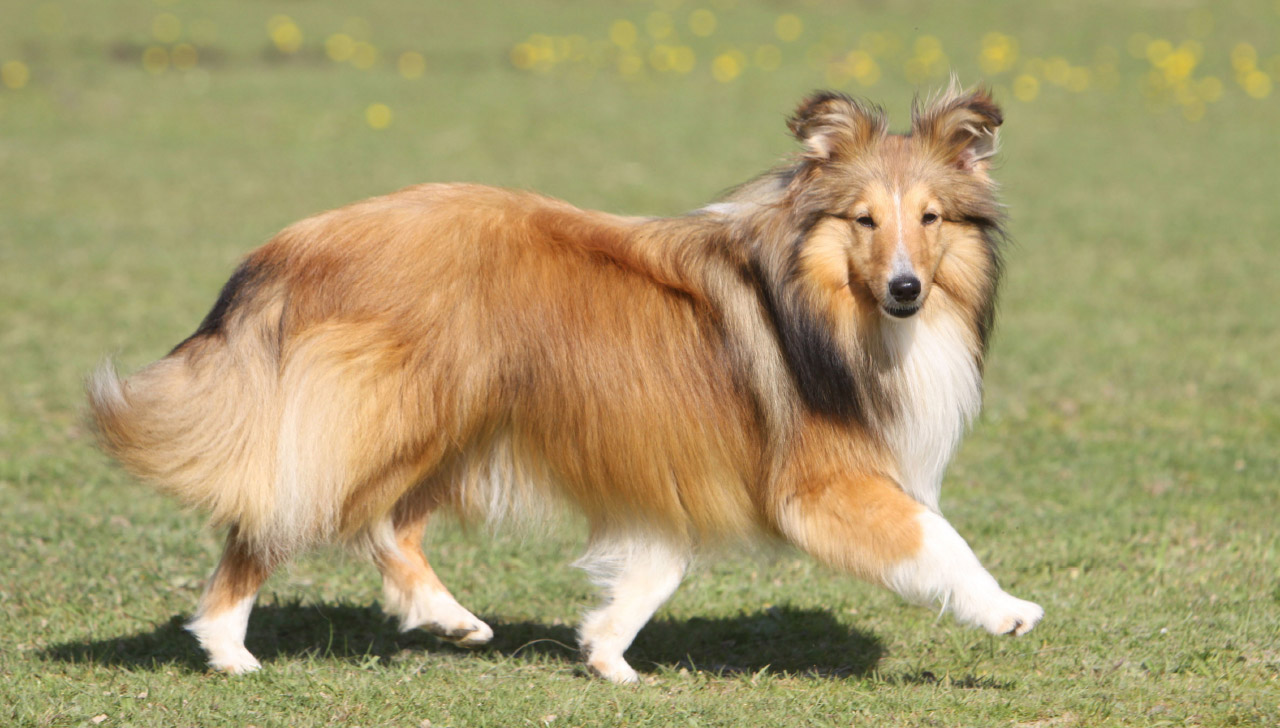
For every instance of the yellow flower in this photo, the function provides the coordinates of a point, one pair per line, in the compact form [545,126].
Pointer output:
[15,74]
[411,64]
[623,33]
[1257,84]
[155,59]
[364,56]
[659,25]
[788,27]
[726,67]
[702,22]
[286,34]
[339,47]
[999,53]
[767,57]
[1026,87]
[378,116]
[184,56]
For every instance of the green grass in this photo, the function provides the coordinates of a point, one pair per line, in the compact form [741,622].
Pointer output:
[1124,473]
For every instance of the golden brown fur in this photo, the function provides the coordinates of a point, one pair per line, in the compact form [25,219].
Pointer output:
[721,375]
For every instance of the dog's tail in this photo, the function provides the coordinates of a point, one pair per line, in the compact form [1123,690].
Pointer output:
[198,425]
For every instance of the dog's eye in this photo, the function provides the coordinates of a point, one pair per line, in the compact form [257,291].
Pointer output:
[865,221]
[929,218]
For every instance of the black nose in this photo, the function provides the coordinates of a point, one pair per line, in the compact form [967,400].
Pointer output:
[904,289]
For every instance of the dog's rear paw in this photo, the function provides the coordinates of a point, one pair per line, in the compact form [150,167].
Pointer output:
[1013,616]
[613,669]
[234,661]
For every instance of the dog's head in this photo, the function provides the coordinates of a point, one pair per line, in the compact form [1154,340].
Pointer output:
[883,210]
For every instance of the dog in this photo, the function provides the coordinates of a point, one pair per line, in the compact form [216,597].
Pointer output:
[795,362]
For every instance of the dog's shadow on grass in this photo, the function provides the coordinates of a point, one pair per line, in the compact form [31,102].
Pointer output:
[777,640]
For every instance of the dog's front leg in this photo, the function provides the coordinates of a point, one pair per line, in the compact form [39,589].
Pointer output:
[867,525]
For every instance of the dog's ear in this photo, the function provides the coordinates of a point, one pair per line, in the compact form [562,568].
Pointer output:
[833,126]
[961,127]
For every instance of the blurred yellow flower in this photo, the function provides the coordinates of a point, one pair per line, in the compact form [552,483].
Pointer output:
[630,64]
[684,60]
[1026,87]
[1078,79]
[523,56]
[929,60]
[726,67]
[339,47]
[411,64]
[928,48]
[1244,58]
[880,43]
[862,67]
[155,59]
[999,53]
[702,22]
[15,74]
[662,58]
[1257,84]
[184,56]
[1158,50]
[623,33]
[788,27]
[659,25]
[378,116]
[1057,70]
[286,34]
[1178,65]
[364,55]
[166,28]
[767,57]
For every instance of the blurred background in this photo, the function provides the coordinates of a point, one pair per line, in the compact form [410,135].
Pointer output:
[1124,469]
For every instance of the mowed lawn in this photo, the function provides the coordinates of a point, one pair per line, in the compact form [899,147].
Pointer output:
[1124,472]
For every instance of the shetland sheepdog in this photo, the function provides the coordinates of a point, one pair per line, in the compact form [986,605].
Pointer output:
[796,361]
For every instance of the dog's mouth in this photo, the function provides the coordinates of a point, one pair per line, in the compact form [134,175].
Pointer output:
[900,311]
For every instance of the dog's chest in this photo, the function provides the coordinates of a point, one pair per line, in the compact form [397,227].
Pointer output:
[938,388]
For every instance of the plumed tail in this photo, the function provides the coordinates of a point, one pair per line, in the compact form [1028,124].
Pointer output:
[197,426]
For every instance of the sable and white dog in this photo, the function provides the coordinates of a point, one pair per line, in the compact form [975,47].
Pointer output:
[796,361]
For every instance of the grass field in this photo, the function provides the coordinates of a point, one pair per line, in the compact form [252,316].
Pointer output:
[1124,472]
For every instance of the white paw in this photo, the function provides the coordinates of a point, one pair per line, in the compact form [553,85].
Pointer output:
[469,635]
[233,661]
[614,669]
[439,614]
[1010,615]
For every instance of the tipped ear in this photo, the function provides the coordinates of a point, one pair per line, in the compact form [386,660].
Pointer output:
[832,125]
[961,127]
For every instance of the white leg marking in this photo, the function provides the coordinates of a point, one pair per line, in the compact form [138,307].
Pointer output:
[222,637]
[638,575]
[946,570]
[436,611]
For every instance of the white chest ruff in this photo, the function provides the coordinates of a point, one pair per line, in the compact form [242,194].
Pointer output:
[938,389]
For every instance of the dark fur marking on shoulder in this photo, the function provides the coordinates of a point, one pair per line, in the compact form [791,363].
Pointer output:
[823,376]
[246,278]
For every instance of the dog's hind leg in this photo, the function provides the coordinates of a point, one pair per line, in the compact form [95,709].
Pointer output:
[223,613]
[638,574]
[412,591]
